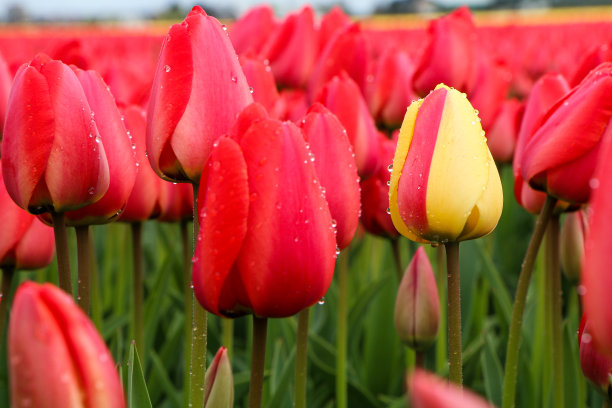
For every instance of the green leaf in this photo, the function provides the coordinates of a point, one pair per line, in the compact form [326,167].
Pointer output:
[492,371]
[137,393]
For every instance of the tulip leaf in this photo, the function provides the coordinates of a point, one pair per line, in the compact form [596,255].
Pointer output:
[574,384]
[501,297]
[137,393]
[492,371]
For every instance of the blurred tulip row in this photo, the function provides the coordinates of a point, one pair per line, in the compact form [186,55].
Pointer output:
[309,211]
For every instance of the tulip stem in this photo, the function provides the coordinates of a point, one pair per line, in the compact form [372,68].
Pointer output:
[341,333]
[138,286]
[198,328]
[419,359]
[301,354]
[61,250]
[516,321]
[227,329]
[441,344]
[84,262]
[455,370]
[397,258]
[556,299]
[7,282]
[188,295]
[94,287]
[258,361]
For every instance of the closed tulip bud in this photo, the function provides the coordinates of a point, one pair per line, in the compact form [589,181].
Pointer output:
[590,60]
[6,80]
[501,137]
[573,232]
[428,391]
[259,76]
[252,30]
[417,306]
[491,84]
[198,91]
[219,382]
[52,155]
[331,22]
[175,202]
[444,182]
[596,366]
[56,356]
[36,247]
[561,156]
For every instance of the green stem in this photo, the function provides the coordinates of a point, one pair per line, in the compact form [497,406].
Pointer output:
[96,301]
[441,345]
[516,322]
[138,286]
[455,370]
[341,333]
[554,271]
[8,273]
[198,329]
[187,296]
[61,251]
[397,258]
[420,359]
[84,261]
[258,361]
[227,329]
[301,359]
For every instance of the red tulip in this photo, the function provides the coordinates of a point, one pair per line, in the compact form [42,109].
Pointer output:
[544,94]
[292,48]
[491,84]
[428,391]
[375,193]
[199,89]
[561,156]
[450,53]
[259,76]
[342,96]
[591,59]
[143,202]
[119,149]
[502,134]
[291,105]
[266,243]
[53,158]
[596,366]
[56,356]
[334,161]
[175,202]
[36,248]
[331,22]
[6,80]
[252,30]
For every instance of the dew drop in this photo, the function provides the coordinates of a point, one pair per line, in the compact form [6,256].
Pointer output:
[581,290]
[167,68]
[388,210]
[321,301]
[91,190]
[390,168]
[594,183]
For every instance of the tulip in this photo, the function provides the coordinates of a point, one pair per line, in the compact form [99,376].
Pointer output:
[342,96]
[292,48]
[252,30]
[545,93]
[331,22]
[52,156]
[334,161]
[449,54]
[259,75]
[590,60]
[596,366]
[417,306]
[219,382]
[291,105]
[266,243]
[6,80]
[561,156]
[175,202]
[444,184]
[198,90]
[428,391]
[502,135]
[45,330]
[573,232]
[491,84]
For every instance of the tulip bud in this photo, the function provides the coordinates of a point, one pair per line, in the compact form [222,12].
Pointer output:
[596,366]
[56,356]
[573,231]
[251,31]
[428,391]
[259,76]
[444,182]
[6,80]
[219,382]
[417,306]
[501,137]
[175,202]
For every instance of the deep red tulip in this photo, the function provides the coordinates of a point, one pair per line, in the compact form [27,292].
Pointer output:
[52,155]
[390,92]
[6,80]
[331,22]
[545,93]
[259,76]
[375,193]
[596,366]
[502,134]
[342,96]
[561,156]
[428,391]
[292,48]
[120,154]
[143,202]
[450,53]
[346,52]
[335,164]
[252,30]
[56,356]
[199,89]
[266,243]
[175,202]
[489,89]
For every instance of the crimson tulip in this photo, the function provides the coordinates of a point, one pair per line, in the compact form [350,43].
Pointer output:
[259,76]
[428,391]
[544,94]
[596,366]
[591,59]
[335,164]
[342,96]
[266,244]
[561,156]
[198,90]
[331,22]
[52,155]
[502,134]
[56,356]
[490,86]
